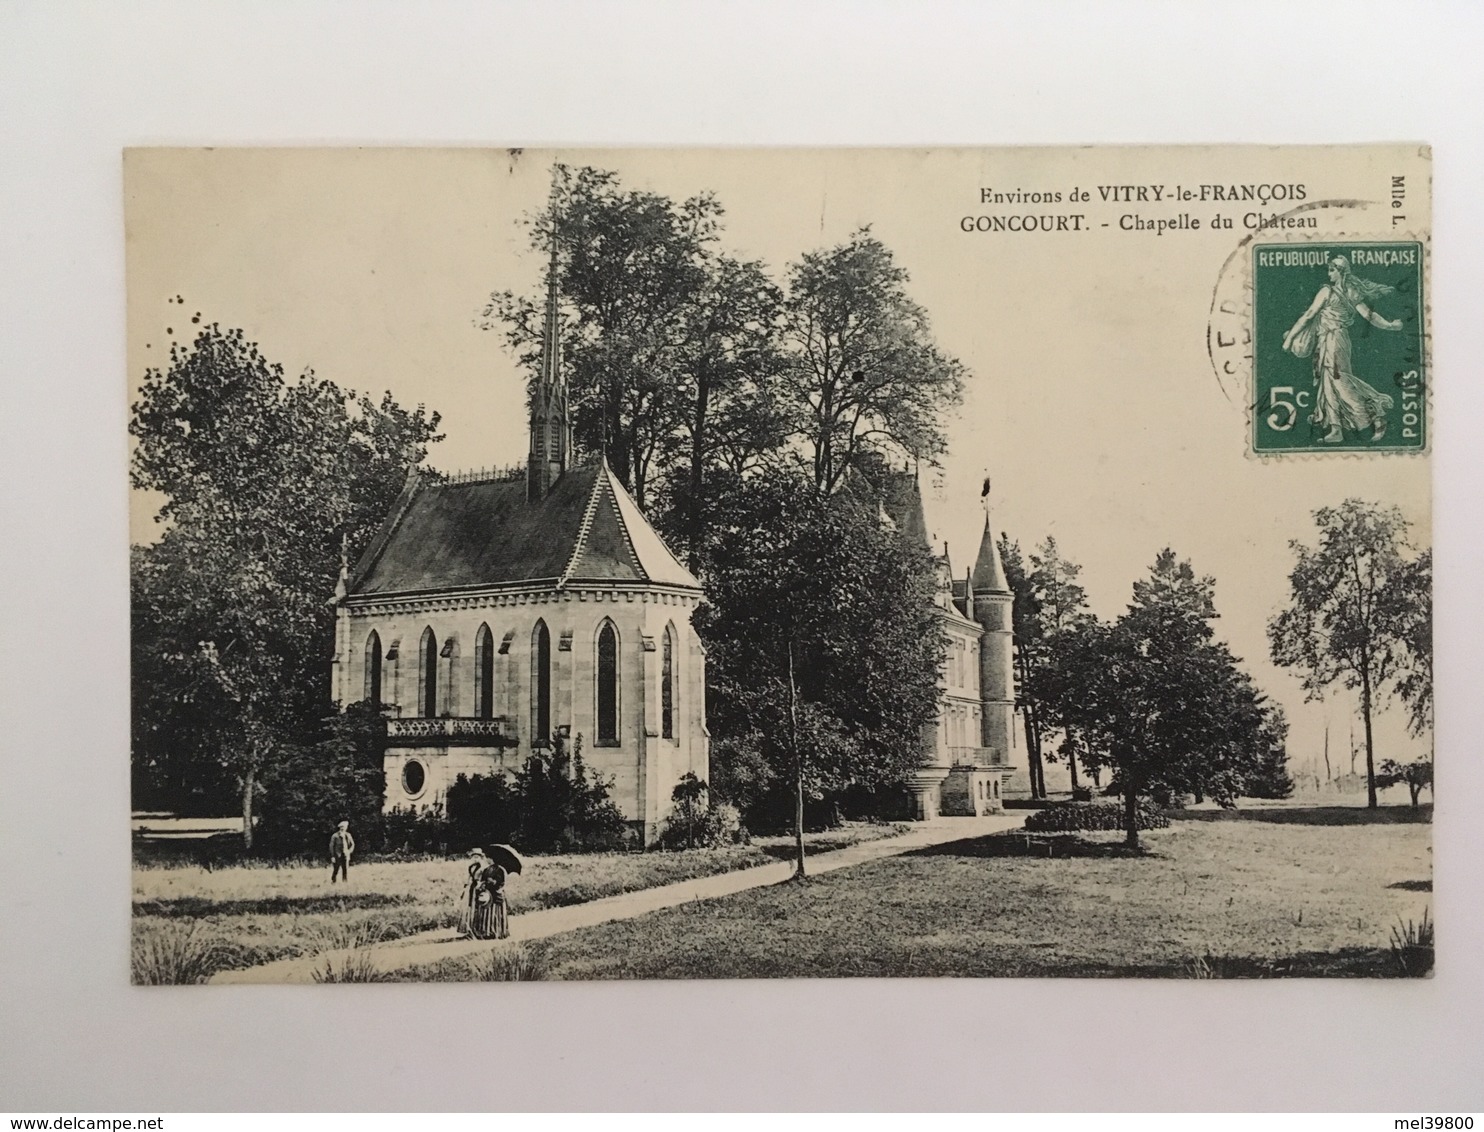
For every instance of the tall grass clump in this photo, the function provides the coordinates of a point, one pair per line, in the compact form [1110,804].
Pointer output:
[171,954]
[356,967]
[1412,947]
[509,965]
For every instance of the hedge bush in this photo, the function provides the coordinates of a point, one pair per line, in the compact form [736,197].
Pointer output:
[1077,817]
[698,821]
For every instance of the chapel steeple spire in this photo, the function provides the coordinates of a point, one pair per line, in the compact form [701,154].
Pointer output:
[551,422]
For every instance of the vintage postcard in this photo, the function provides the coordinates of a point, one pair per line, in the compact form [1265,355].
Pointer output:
[640,564]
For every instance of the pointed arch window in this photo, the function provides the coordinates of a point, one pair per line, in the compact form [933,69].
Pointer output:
[540,684]
[608,685]
[667,683]
[373,670]
[427,675]
[484,673]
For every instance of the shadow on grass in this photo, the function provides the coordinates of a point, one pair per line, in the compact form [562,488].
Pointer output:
[213,851]
[811,849]
[1053,846]
[193,907]
[1315,815]
[1343,963]
[1412,885]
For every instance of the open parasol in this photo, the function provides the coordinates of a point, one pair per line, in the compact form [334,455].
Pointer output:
[506,857]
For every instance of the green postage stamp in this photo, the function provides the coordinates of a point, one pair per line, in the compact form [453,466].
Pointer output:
[1338,334]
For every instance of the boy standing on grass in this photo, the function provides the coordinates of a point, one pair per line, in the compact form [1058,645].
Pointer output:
[342,845]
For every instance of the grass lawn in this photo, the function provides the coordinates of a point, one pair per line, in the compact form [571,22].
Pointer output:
[1292,892]
[190,921]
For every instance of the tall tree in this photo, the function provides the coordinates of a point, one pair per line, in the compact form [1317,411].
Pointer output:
[865,373]
[670,346]
[1416,774]
[1414,685]
[824,645]
[1029,647]
[1050,608]
[631,267]
[728,418]
[1355,601]
[1061,605]
[1164,706]
[266,483]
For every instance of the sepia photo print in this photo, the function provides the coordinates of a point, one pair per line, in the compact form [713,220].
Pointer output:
[641,564]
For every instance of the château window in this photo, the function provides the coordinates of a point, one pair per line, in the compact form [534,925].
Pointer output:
[484,673]
[373,670]
[607,686]
[427,683]
[540,684]
[667,683]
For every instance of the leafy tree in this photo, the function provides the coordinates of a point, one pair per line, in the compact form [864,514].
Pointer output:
[823,644]
[1026,623]
[729,417]
[1056,609]
[740,773]
[1416,774]
[670,346]
[1358,611]
[563,806]
[1414,684]
[307,789]
[691,803]
[266,484]
[1268,776]
[1161,704]
[865,371]
[482,810]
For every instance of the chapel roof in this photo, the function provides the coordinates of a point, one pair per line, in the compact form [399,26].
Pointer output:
[460,534]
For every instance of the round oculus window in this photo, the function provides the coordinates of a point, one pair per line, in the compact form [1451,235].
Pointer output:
[414,778]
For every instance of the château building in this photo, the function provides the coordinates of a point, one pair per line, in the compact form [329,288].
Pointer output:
[966,764]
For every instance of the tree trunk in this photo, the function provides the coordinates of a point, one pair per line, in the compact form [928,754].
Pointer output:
[1072,758]
[249,784]
[1130,814]
[1033,750]
[1370,750]
[1416,789]
[793,739]
[1035,770]
[1040,761]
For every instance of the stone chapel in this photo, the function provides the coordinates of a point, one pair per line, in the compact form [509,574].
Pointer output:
[496,616]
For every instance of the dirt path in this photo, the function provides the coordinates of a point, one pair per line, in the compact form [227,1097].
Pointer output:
[431,947]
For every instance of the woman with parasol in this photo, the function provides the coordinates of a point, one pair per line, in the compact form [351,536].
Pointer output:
[477,862]
[489,916]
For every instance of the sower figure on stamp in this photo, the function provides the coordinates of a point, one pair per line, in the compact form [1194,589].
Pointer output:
[1342,400]
[342,845]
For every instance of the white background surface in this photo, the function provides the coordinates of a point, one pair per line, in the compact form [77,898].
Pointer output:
[79,82]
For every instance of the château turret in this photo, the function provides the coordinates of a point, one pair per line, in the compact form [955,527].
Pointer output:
[993,607]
